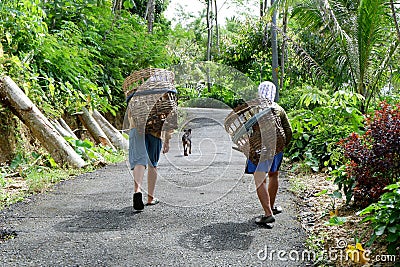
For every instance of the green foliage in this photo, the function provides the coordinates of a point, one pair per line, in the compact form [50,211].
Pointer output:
[80,12]
[139,7]
[385,217]
[7,199]
[347,39]
[222,94]
[245,50]
[184,47]
[21,25]
[66,55]
[335,221]
[85,149]
[344,182]
[319,123]
[40,179]
[95,154]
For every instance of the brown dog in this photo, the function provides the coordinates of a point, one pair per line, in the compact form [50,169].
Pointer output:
[187,142]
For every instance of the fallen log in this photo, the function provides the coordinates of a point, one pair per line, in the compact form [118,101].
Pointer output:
[94,129]
[38,124]
[116,138]
[66,127]
[60,129]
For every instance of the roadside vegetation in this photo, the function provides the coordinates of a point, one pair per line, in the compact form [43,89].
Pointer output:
[338,77]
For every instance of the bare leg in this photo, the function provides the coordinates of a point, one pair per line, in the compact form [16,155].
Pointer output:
[262,192]
[151,182]
[138,173]
[273,186]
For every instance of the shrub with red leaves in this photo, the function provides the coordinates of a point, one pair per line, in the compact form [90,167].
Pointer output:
[374,157]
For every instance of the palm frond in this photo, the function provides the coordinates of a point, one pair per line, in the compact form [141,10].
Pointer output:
[339,24]
[302,53]
[369,21]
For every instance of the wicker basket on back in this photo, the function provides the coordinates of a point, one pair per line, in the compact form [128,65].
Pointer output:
[256,129]
[152,102]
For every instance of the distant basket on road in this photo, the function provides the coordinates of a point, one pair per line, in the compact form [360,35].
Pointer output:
[152,101]
[256,129]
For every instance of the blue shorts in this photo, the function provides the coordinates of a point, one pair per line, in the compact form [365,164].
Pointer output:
[143,148]
[265,166]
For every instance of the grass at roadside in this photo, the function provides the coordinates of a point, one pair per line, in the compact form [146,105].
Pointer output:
[26,181]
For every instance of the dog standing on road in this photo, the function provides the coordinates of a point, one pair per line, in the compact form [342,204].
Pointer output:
[187,142]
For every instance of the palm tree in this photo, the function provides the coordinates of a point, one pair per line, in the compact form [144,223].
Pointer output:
[276,6]
[274,46]
[150,9]
[358,30]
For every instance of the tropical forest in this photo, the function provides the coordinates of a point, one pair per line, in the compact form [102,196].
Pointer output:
[336,68]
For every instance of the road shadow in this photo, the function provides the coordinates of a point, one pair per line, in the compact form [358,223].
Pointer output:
[229,236]
[99,221]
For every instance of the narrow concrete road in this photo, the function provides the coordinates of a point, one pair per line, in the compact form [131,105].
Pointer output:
[205,218]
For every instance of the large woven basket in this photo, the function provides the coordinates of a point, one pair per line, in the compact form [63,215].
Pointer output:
[256,130]
[152,101]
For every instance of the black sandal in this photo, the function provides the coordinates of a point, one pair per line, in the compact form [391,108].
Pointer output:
[138,201]
[262,220]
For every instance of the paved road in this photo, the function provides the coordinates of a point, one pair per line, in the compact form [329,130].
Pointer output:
[205,218]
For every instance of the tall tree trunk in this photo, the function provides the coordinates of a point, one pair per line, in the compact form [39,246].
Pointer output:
[209,30]
[216,26]
[275,64]
[209,41]
[150,10]
[263,7]
[38,124]
[117,6]
[283,50]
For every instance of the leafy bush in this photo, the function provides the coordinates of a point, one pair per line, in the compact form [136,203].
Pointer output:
[385,217]
[344,182]
[374,157]
[322,121]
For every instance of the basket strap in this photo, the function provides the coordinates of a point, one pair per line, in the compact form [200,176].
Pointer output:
[154,91]
[149,92]
[249,124]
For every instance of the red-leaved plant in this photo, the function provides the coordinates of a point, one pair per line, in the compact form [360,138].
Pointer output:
[374,157]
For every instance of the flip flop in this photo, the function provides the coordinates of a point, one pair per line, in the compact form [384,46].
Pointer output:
[153,202]
[262,220]
[277,210]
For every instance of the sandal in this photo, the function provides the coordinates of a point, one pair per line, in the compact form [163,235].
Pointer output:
[137,201]
[277,210]
[265,219]
[153,202]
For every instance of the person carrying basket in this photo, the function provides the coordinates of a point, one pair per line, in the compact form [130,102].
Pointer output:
[267,195]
